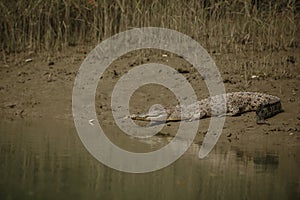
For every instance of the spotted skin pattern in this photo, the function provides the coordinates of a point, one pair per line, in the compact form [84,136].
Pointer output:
[237,103]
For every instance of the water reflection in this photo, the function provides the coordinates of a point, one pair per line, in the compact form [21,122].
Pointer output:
[47,161]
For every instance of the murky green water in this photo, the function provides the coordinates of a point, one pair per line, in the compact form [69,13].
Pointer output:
[40,160]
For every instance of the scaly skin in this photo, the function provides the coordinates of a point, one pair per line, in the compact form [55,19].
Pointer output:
[237,103]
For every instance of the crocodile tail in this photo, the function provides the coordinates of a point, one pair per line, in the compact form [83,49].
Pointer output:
[268,110]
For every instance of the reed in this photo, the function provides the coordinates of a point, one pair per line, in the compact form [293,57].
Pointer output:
[235,26]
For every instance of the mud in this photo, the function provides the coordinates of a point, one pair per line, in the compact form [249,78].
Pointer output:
[34,87]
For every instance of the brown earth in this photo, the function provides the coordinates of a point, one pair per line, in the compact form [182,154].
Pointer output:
[42,88]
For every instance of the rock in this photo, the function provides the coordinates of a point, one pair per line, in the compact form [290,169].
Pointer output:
[50,63]
[183,71]
[10,105]
[28,60]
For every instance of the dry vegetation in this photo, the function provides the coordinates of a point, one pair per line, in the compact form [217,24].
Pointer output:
[224,26]
[251,29]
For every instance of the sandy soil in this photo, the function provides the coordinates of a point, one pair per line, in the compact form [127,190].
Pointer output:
[42,88]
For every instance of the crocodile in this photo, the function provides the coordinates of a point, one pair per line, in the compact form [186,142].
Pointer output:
[237,103]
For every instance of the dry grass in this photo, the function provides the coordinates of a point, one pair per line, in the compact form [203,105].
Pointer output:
[245,33]
[241,27]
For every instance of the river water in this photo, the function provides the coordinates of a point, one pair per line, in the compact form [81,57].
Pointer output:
[46,160]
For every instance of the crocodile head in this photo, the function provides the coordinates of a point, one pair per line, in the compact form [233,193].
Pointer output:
[159,114]
[153,115]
